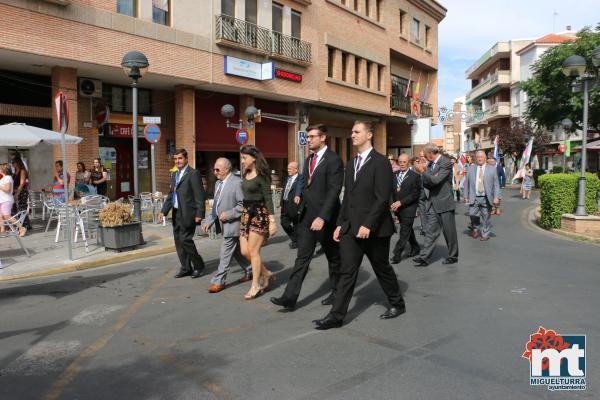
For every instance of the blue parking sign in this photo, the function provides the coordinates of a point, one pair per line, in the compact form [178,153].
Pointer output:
[302,140]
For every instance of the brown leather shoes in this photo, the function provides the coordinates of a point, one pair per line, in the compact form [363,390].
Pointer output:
[215,288]
[484,238]
[475,234]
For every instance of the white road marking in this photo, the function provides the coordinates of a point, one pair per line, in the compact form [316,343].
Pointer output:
[43,357]
[95,315]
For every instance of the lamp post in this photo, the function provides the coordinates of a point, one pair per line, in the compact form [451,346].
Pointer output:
[575,67]
[135,64]
[566,125]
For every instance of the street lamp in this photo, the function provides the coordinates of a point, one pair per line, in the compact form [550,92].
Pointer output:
[135,64]
[228,111]
[566,125]
[575,67]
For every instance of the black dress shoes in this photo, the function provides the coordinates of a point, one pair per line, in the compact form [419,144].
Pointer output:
[419,262]
[327,323]
[182,274]
[395,260]
[197,274]
[414,253]
[450,260]
[393,312]
[278,301]
[327,301]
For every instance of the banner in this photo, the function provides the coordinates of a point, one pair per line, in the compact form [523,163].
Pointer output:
[524,160]
[496,151]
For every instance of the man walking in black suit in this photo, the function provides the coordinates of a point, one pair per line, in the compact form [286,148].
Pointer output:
[365,226]
[319,206]
[439,216]
[406,190]
[289,208]
[186,200]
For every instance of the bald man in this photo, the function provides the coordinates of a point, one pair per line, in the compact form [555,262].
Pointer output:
[289,207]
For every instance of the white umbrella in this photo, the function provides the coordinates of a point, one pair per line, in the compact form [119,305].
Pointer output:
[22,135]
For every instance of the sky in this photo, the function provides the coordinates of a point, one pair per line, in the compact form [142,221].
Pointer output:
[472,27]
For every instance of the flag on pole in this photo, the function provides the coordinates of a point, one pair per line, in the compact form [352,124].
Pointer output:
[524,160]
[568,148]
[496,151]
[417,92]
[409,82]
[426,94]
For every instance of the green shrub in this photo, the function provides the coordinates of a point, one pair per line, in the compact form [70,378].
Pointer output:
[536,175]
[557,169]
[558,195]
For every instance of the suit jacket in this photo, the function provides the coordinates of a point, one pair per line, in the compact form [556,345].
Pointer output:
[288,206]
[491,183]
[321,196]
[408,195]
[366,199]
[439,183]
[190,197]
[229,202]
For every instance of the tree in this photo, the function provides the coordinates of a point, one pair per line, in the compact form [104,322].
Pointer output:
[550,98]
[512,139]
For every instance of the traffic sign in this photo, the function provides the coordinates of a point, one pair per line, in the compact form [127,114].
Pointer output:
[302,139]
[241,136]
[562,147]
[61,103]
[152,133]
[151,120]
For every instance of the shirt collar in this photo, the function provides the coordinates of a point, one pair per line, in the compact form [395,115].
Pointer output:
[437,159]
[225,180]
[321,152]
[365,154]
[182,171]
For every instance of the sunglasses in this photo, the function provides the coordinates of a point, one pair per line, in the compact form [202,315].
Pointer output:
[216,170]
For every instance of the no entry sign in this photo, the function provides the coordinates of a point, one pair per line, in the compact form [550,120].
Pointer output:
[241,135]
[152,133]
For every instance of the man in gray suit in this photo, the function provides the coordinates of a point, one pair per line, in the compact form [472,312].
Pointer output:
[482,189]
[437,185]
[225,215]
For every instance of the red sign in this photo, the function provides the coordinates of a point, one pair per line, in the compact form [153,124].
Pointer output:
[121,130]
[290,76]
[62,110]
[562,148]
[152,133]
[102,113]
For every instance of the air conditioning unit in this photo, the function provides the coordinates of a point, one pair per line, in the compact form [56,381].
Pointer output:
[90,87]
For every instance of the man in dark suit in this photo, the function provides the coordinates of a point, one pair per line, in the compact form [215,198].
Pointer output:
[365,226]
[289,208]
[439,216]
[319,198]
[406,190]
[186,201]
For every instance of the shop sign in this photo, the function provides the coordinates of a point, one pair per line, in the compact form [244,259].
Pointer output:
[124,130]
[288,76]
[249,69]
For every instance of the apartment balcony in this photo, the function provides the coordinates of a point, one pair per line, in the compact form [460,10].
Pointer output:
[498,51]
[237,33]
[498,110]
[400,104]
[426,110]
[500,79]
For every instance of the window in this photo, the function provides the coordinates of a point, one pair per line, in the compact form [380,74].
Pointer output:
[380,78]
[228,7]
[120,99]
[369,74]
[427,37]
[356,70]
[356,5]
[296,30]
[368,7]
[450,141]
[415,31]
[160,12]
[399,86]
[450,129]
[377,10]
[277,17]
[330,56]
[403,27]
[344,67]
[251,11]
[127,7]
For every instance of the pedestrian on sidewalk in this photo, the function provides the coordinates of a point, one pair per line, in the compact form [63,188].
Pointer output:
[289,207]
[393,163]
[258,216]
[60,191]
[482,189]
[440,214]
[319,199]
[527,182]
[99,177]
[7,199]
[364,227]
[186,201]
[225,216]
[82,178]
[21,188]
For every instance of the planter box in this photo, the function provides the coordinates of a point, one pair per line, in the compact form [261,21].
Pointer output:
[122,237]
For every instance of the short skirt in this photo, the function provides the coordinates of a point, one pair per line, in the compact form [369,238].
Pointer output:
[255,218]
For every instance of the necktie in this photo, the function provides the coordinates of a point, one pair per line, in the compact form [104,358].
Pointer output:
[313,163]
[216,199]
[432,165]
[288,187]
[357,165]
[177,176]
[480,180]
[401,176]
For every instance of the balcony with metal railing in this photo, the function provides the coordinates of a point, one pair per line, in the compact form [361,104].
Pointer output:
[238,33]
[400,104]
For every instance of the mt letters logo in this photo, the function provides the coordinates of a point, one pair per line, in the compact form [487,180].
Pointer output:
[556,361]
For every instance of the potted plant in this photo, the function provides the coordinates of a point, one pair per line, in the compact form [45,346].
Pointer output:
[118,231]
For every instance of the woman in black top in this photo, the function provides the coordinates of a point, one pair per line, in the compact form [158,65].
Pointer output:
[258,216]
[99,177]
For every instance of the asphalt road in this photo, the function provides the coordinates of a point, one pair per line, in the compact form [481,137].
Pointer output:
[131,331]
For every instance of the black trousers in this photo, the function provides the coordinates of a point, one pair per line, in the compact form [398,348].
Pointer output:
[184,244]
[377,250]
[407,234]
[307,241]
[289,225]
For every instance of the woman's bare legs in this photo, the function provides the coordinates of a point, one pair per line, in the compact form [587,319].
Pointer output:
[254,244]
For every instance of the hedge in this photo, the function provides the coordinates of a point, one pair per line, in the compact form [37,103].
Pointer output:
[536,176]
[558,194]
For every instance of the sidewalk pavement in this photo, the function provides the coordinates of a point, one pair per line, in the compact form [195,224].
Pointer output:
[49,257]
